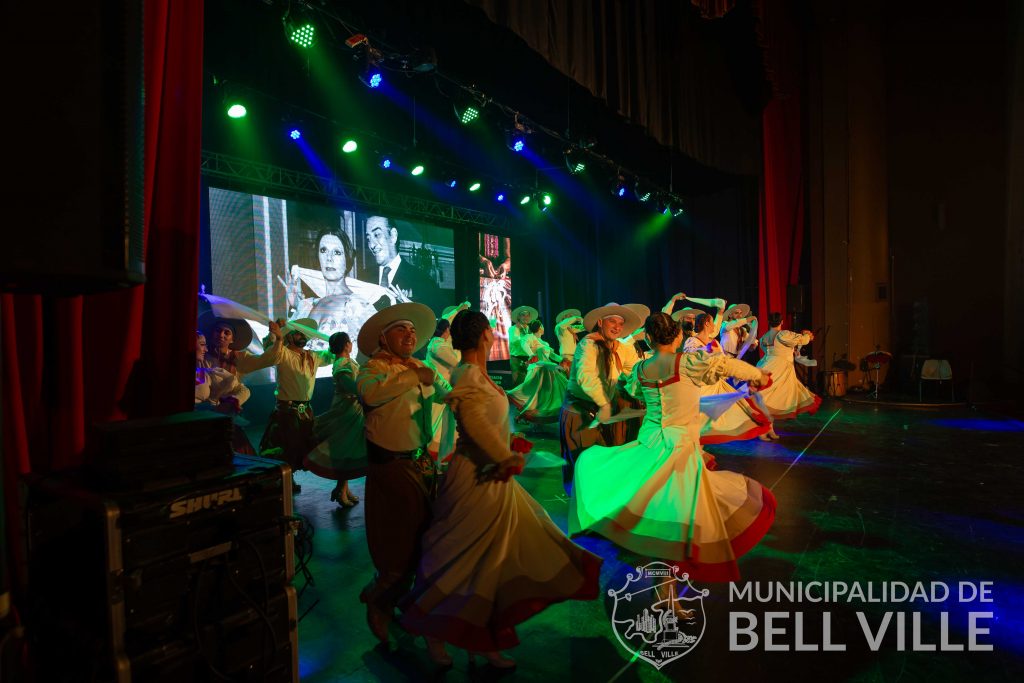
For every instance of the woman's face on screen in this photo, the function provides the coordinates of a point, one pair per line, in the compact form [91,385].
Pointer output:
[332,257]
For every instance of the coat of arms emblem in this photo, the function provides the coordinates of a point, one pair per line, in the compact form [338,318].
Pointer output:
[658,615]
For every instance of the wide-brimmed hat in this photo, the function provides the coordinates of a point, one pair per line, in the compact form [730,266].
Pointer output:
[534,314]
[306,326]
[630,319]
[567,313]
[686,312]
[420,315]
[242,333]
[641,310]
[736,311]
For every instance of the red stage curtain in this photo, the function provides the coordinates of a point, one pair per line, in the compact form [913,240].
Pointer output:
[127,353]
[781,232]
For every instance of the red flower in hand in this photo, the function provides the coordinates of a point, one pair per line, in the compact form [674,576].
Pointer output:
[521,445]
[511,467]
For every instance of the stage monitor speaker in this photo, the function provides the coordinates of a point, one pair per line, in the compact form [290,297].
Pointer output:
[795,299]
[75,147]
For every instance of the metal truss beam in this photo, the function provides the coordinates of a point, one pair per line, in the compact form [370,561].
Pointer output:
[266,178]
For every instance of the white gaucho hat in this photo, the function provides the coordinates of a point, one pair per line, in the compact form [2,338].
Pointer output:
[567,313]
[420,315]
[630,319]
[534,314]
[736,311]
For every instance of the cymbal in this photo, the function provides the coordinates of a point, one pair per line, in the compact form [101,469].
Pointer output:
[878,357]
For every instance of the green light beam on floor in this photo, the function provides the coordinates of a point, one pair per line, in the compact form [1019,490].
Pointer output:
[623,669]
[797,459]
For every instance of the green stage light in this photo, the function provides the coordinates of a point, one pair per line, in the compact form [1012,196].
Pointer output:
[349,146]
[237,111]
[474,187]
[304,35]
[525,200]
[299,26]
[417,169]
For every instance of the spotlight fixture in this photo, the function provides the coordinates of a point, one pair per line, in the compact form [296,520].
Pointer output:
[516,141]
[543,200]
[385,161]
[642,190]
[349,146]
[500,197]
[525,199]
[372,76]
[474,186]
[295,134]
[515,137]
[417,169]
[237,110]
[299,27]
[574,161]
[619,186]
[467,108]
[451,182]
[661,205]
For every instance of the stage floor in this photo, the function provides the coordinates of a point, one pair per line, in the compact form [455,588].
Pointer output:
[865,494]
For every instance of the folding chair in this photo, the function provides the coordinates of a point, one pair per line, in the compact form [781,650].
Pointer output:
[935,370]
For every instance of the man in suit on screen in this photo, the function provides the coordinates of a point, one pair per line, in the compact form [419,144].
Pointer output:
[405,280]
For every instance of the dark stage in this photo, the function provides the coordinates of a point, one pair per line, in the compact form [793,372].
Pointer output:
[852,170]
[877,495]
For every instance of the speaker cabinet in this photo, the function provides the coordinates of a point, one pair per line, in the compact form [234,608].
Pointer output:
[75,145]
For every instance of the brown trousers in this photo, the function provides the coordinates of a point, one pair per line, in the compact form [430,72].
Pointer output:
[397,499]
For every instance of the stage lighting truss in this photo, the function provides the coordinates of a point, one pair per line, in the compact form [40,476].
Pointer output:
[299,26]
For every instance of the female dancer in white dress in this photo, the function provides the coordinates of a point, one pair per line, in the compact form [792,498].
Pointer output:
[743,419]
[492,557]
[787,397]
[539,398]
[341,453]
[654,496]
[443,359]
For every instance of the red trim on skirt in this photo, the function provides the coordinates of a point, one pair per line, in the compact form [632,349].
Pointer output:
[723,572]
[726,438]
[809,409]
